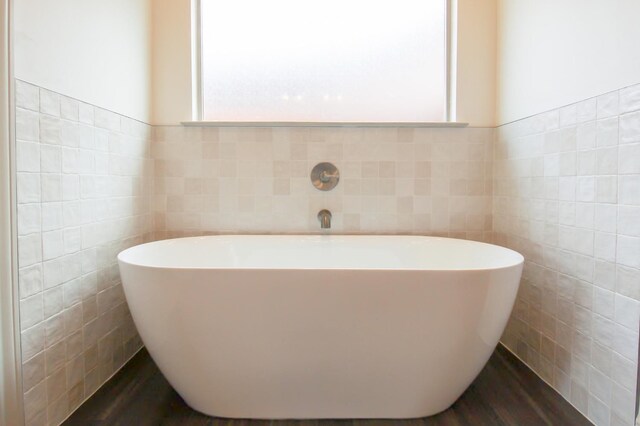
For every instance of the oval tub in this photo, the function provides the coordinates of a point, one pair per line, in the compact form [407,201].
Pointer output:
[320,326]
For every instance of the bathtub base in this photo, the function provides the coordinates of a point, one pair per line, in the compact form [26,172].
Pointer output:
[300,343]
[334,344]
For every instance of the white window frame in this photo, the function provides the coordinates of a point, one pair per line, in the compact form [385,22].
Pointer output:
[450,89]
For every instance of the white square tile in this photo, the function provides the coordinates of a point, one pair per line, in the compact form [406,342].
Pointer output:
[623,403]
[73,318]
[70,133]
[72,292]
[51,216]
[629,220]
[567,139]
[71,212]
[53,302]
[568,115]
[608,105]
[50,158]
[607,161]
[603,330]
[27,96]
[72,240]
[51,187]
[69,108]
[52,245]
[567,164]
[601,355]
[630,99]
[586,110]
[603,302]
[70,187]
[586,189]
[35,403]
[567,213]
[586,162]
[33,372]
[85,113]
[567,189]
[607,189]
[629,190]
[32,341]
[629,159]
[29,217]
[30,311]
[626,281]
[599,385]
[86,136]
[27,157]
[630,128]
[54,329]
[607,132]
[623,372]
[552,165]
[627,312]
[29,249]
[30,280]
[27,125]
[106,119]
[604,275]
[50,128]
[55,357]
[49,102]
[28,188]
[585,215]
[579,396]
[605,246]
[69,160]
[598,412]
[606,217]
[628,251]
[72,266]
[52,273]
[586,135]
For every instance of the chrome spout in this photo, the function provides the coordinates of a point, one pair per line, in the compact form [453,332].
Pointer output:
[324,216]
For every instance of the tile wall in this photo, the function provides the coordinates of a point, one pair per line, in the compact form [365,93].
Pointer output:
[567,196]
[561,187]
[84,185]
[86,179]
[256,180]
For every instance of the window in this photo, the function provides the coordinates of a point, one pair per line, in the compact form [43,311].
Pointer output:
[327,61]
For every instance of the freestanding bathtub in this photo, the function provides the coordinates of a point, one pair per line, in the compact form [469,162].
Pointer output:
[320,326]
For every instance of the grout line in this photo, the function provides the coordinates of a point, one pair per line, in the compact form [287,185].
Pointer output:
[569,104]
[79,100]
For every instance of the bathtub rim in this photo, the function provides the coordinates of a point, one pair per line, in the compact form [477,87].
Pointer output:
[123,253]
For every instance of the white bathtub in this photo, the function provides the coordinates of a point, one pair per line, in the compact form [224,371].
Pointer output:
[320,326]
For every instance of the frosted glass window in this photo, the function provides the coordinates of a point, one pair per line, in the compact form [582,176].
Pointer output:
[330,60]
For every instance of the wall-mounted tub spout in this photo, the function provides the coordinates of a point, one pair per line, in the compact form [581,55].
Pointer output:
[324,216]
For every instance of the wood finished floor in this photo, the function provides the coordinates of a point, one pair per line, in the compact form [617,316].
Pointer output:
[505,393]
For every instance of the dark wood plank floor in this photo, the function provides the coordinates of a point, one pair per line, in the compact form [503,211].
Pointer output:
[505,393]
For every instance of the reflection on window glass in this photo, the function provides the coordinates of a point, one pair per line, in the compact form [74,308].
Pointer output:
[347,60]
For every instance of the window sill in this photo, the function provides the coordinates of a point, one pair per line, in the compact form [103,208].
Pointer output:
[448,124]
